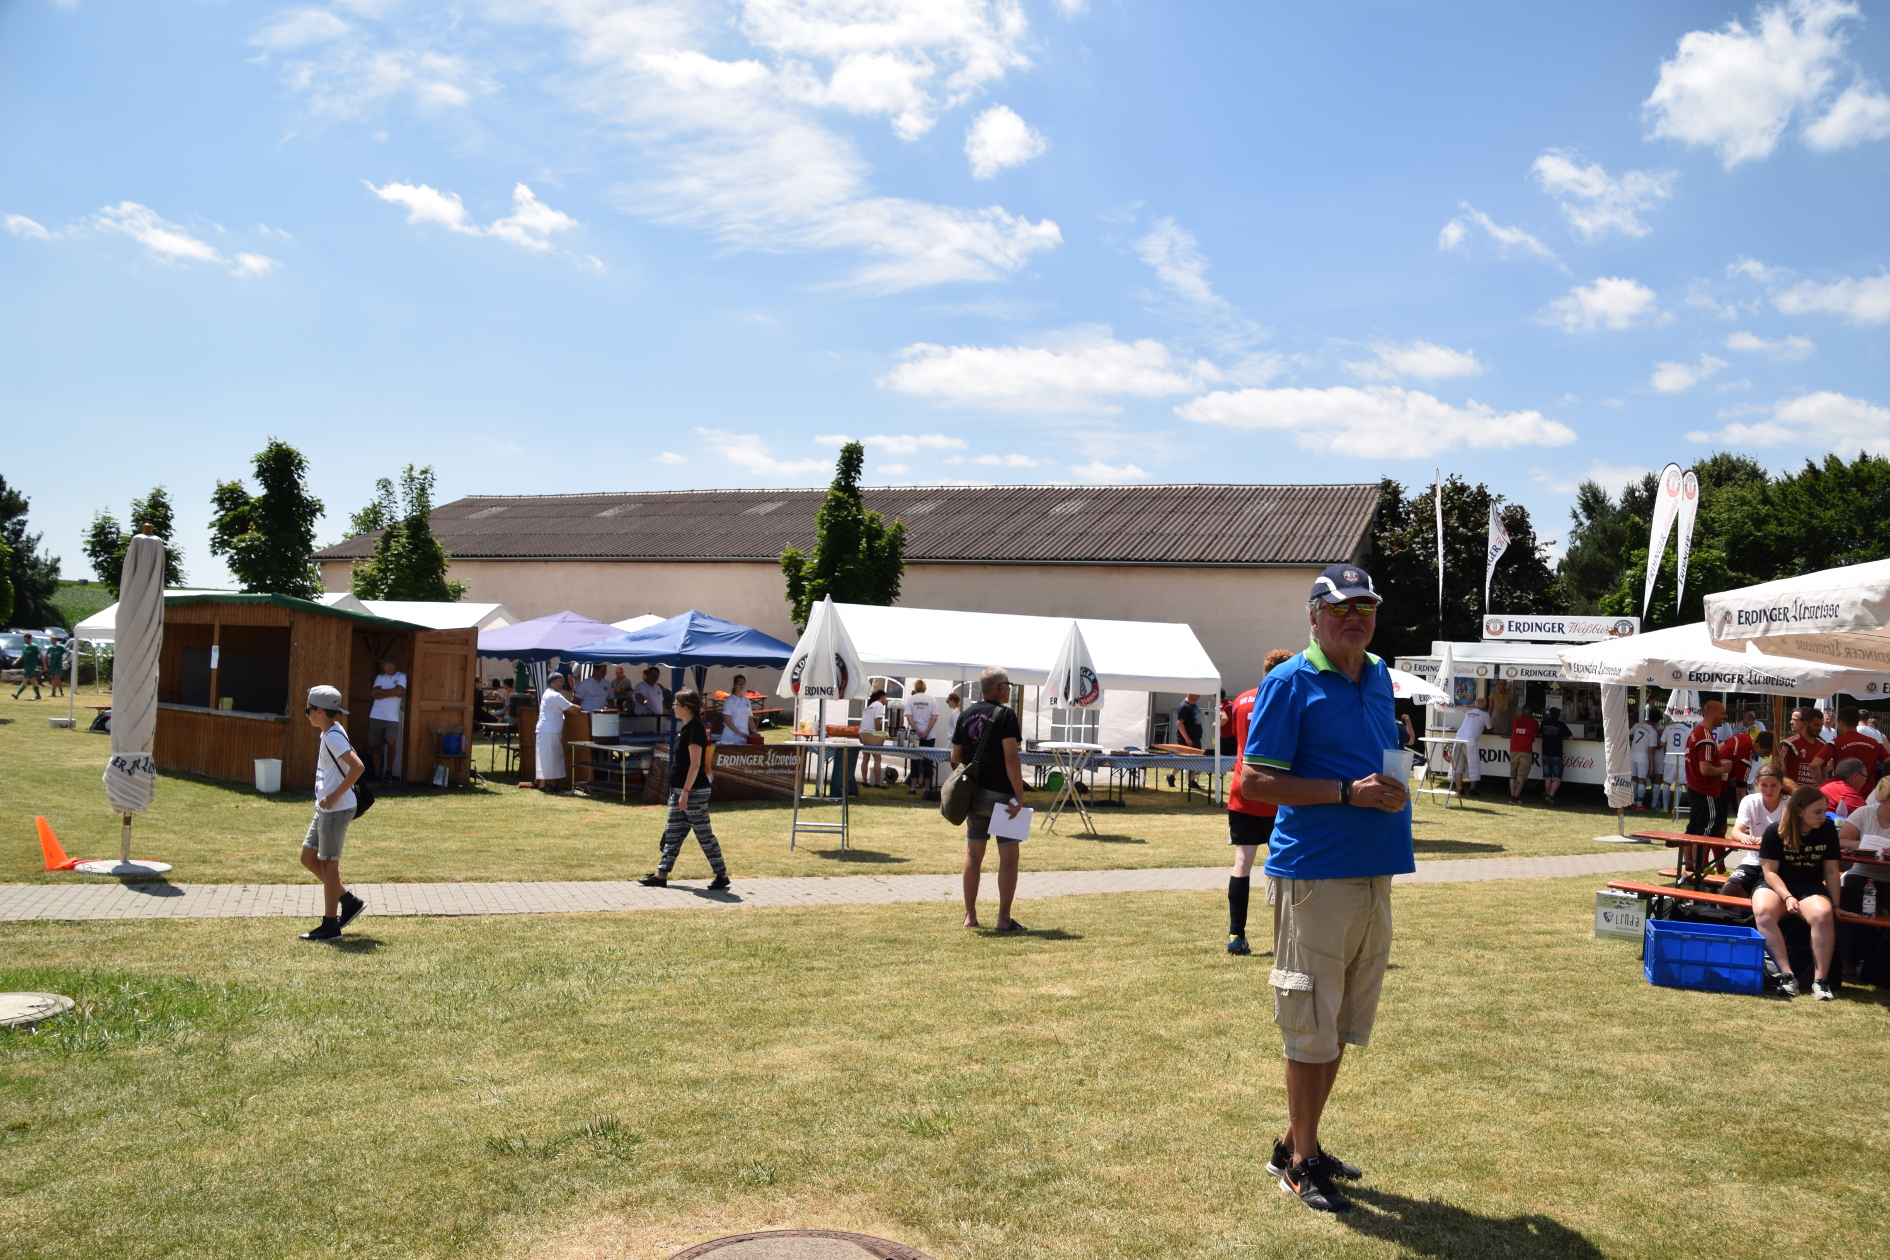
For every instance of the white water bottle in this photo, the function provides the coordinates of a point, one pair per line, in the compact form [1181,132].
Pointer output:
[1870,899]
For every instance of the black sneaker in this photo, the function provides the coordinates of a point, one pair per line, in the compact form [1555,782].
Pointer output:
[328,931]
[1822,990]
[1311,1181]
[351,908]
[1336,1167]
[654,879]
[1238,945]
[1788,986]
[719,882]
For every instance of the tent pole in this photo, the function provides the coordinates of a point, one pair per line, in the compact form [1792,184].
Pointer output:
[72,663]
[1216,796]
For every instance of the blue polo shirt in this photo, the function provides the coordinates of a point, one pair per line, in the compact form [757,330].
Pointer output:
[1311,720]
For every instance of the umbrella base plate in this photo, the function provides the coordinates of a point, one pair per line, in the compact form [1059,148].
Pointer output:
[19,1009]
[1619,840]
[137,868]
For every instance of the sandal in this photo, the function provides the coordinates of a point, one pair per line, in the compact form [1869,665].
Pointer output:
[1014,926]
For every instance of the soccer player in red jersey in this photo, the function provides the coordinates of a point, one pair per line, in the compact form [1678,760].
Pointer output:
[1249,823]
[1852,742]
[1806,756]
[1706,775]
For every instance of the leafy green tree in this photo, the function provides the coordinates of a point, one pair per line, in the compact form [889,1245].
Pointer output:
[6,583]
[106,542]
[1404,566]
[267,538]
[32,573]
[408,561]
[857,557]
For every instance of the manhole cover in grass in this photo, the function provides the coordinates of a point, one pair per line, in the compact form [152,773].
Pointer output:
[30,1008]
[801,1244]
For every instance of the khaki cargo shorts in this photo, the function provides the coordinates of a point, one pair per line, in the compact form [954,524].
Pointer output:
[1331,941]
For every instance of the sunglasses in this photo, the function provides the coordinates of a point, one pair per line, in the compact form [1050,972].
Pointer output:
[1353,607]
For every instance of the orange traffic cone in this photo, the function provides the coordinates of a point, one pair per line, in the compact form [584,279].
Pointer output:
[56,859]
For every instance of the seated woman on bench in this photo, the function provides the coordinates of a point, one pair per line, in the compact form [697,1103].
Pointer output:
[1800,855]
[1759,810]
[1866,829]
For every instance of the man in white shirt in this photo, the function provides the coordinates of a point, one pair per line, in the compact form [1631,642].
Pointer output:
[647,695]
[1673,746]
[592,692]
[1641,742]
[1475,723]
[1867,725]
[738,714]
[922,717]
[384,717]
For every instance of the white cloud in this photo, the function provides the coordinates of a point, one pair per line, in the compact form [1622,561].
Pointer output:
[1379,420]
[1175,256]
[671,457]
[748,451]
[723,136]
[1738,89]
[895,443]
[1010,461]
[172,243]
[1824,421]
[1610,302]
[1730,386]
[1787,349]
[1096,470]
[1865,301]
[528,226]
[20,225]
[1610,477]
[1596,203]
[894,470]
[998,140]
[1675,378]
[1509,240]
[1425,360]
[1071,8]
[1081,371]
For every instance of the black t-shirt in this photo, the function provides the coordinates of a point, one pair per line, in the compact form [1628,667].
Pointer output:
[1802,868]
[1188,718]
[992,773]
[1553,732]
[693,732]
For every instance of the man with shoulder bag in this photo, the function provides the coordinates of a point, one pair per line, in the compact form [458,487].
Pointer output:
[987,776]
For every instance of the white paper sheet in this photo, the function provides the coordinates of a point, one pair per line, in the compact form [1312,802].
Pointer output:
[1004,827]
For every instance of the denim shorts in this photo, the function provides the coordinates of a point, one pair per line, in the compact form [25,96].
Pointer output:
[1551,767]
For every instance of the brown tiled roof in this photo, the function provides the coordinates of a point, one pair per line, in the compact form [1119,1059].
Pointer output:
[1178,524]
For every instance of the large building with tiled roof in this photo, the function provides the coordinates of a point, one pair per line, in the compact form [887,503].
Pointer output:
[1234,561]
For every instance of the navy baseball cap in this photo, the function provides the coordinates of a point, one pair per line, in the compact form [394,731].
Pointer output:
[1340,582]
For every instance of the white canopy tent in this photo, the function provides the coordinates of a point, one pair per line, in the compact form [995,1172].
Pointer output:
[102,626]
[1839,616]
[642,621]
[439,615]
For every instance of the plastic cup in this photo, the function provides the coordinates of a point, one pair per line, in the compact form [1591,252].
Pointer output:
[1398,765]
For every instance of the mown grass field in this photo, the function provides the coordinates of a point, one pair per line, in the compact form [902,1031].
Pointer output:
[218,832]
[627,1085]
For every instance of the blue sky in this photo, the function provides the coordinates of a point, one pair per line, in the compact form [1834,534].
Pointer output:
[583,245]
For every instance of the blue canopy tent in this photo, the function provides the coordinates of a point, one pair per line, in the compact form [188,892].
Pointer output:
[690,639]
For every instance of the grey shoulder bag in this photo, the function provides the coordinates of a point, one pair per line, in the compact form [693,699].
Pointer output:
[954,799]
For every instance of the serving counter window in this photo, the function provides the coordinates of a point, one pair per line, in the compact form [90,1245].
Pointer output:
[242,669]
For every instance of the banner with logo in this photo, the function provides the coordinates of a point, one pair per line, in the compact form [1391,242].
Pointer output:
[1689,508]
[1499,543]
[1559,628]
[1666,506]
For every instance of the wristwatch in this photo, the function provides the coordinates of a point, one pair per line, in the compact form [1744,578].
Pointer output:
[1345,791]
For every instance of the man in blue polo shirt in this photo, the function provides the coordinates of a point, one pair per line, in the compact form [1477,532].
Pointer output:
[1315,748]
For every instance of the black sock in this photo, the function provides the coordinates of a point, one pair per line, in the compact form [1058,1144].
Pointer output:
[1238,887]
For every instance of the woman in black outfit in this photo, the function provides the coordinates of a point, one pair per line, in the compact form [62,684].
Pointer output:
[689,787]
[1800,855]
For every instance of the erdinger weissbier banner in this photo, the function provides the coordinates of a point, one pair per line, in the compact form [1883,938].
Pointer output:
[1499,543]
[1666,506]
[1689,508]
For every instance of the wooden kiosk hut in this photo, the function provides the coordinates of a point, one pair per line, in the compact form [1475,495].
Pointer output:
[236,669]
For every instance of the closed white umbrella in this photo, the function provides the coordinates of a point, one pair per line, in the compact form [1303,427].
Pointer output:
[1838,616]
[825,666]
[1615,730]
[131,774]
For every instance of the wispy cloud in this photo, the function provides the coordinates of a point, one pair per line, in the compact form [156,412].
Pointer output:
[1861,301]
[1086,370]
[163,240]
[1610,302]
[1784,349]
[1596,203]
[1175,256]
[748,451]
[1510,241]
[1425,360]
[20,225]
[1675,378]
[529,226]
[1610,477]
[1379,420]
[1823,421]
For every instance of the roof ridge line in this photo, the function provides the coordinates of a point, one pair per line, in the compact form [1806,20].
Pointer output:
[992,485]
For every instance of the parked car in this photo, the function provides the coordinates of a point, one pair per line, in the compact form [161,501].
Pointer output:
[11,644]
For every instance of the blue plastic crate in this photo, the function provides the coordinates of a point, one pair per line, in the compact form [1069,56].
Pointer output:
[1711,956]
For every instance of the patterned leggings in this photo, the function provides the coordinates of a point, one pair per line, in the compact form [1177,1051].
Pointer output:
[681,819]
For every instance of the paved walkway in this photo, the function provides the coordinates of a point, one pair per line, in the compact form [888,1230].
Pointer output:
[158,900]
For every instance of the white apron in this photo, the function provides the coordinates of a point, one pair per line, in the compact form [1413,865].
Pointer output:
[551,735]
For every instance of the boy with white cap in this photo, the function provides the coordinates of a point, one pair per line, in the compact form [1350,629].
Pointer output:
[337,766]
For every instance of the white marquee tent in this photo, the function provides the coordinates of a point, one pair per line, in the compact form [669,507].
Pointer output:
[102,626]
